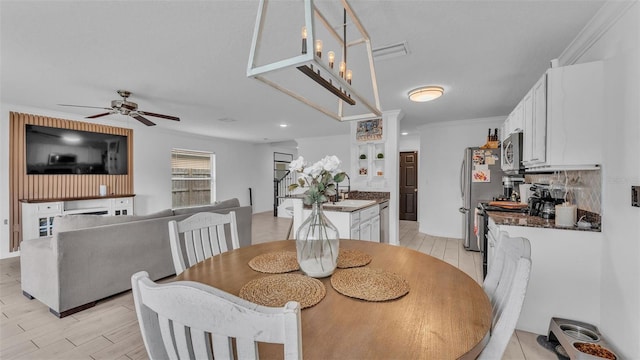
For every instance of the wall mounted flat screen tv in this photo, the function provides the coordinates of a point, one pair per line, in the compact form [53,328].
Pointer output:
[51,150]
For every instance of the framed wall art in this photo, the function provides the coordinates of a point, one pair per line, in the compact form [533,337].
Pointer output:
[369,130]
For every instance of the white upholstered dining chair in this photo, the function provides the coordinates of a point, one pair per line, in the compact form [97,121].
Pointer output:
[512,267]
[190,320]
[201,236]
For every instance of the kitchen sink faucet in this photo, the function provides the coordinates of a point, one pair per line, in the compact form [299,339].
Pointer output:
[338,187]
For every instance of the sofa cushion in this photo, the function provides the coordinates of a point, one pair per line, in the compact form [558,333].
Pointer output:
[74,222]
[226,204]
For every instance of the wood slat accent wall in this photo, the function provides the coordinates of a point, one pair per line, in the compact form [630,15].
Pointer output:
[34,187]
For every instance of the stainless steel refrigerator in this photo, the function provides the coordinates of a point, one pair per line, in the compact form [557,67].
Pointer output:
[480,180]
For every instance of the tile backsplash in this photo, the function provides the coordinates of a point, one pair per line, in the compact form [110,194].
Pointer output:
[584,186]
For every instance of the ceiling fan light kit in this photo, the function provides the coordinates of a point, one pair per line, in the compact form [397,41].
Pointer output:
[353,102]
[125,107]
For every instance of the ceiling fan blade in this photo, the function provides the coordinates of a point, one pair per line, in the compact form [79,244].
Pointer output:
[169,117]
[82,106]
[99,115]
[143,120]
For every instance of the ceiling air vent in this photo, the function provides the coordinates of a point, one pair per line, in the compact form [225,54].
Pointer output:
[391,51]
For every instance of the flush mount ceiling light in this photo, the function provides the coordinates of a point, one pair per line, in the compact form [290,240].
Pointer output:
[426,93]
[349,89]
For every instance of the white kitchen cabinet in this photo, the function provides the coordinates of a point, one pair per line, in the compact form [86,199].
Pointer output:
[370,223]
[567,112]
[565,277]
[361,224]
[527,127]
[535,120]
[516,123]
[365,230]
[341,220]
[504,129]
[355,232]
[375,229]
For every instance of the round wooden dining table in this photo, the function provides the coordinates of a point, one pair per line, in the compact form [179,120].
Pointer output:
[445,314]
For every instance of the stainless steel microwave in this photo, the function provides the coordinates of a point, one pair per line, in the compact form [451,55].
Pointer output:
[512,154]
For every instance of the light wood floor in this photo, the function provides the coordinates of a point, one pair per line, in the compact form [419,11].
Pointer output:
[110,329]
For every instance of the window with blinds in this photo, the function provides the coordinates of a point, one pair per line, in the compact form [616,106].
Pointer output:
[192,178]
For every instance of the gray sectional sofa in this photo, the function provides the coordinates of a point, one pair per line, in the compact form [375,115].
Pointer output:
[92,257]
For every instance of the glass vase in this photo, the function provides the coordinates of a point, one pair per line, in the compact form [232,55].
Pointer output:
[317,244]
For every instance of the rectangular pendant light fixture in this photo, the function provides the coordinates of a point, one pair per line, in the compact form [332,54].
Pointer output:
[355,98]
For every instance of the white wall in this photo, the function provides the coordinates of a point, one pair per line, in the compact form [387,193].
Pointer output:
[235,164]
[619,47]
[409,143]
[316,148]
[441,150]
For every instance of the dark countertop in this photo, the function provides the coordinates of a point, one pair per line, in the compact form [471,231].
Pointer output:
[378,197]
[369,195]
[520,219]
[335,206]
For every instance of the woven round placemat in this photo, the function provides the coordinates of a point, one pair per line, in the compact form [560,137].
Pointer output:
[276,262]
[349,258]
[369,284]
[277,290]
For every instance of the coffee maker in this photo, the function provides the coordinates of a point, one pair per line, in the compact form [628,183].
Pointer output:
[509,183]
[543,201]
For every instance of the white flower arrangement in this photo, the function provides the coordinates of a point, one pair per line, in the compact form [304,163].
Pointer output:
[321,178]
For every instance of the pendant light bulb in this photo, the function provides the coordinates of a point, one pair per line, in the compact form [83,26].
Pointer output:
[304,39]
[319,48]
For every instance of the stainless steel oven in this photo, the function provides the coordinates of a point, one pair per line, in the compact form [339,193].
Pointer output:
[512,154]
[487,234]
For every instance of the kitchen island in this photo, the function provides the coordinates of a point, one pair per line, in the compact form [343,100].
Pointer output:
[357,219]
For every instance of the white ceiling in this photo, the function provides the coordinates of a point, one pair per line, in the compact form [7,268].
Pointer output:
[189,59]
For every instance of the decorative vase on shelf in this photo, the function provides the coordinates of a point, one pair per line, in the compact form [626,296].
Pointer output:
[317,244]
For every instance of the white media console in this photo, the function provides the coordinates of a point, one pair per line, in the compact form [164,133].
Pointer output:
[38,215]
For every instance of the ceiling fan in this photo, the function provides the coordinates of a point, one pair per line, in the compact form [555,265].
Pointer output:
[125,107]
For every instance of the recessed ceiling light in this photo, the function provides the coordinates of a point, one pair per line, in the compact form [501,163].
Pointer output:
[283,125]
[404,133]
[425,93]
[227,119]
